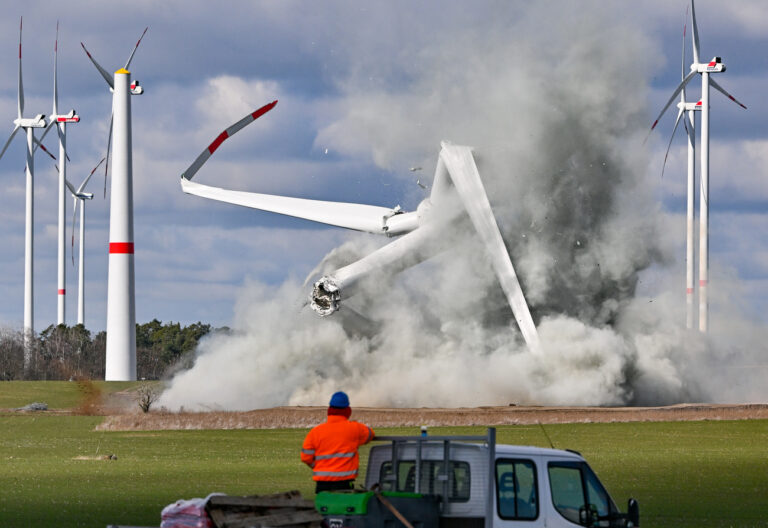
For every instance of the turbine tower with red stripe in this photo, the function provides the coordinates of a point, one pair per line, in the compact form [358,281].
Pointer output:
[121,298]
[60,121]
[29,125]
[704,69]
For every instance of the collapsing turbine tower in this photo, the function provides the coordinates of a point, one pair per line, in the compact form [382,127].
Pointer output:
[704,69]
[456,180]
[121,299]
[29,125]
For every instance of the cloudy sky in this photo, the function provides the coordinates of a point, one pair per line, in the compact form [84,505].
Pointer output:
[204,65]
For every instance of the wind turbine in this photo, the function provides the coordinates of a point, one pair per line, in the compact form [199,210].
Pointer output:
[457,187]
[29,125]
[704,69]
[60,120]
[121,296]
[79,196]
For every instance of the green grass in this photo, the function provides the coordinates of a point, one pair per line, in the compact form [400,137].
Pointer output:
[684,474]
[57,394]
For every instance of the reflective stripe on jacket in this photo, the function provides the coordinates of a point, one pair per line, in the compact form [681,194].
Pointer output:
[330,448]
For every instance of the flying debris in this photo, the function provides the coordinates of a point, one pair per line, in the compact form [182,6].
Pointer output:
[457,181]
[418,182]
[414,169]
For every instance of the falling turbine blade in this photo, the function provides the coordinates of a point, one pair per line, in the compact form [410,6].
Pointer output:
[10,138]
[229,132]
[674,94]
[130,57]
[720,89]
[102,71]
[21,84]
[674,129]
[695,31]
[465,176]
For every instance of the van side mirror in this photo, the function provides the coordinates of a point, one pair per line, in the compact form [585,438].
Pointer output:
[633,513]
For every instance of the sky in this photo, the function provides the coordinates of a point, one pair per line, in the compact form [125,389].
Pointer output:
[348,76]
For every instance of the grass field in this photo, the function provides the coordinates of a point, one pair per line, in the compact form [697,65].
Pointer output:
[684,474]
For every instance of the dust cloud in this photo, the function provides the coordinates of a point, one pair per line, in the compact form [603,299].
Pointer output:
[551,96]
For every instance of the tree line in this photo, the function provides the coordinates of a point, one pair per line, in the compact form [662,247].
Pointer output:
[63,352]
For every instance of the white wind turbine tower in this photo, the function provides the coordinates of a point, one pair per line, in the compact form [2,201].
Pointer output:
[121,298]
[28,124]
[457,187]
[79,196]
[60,121]
[714,66]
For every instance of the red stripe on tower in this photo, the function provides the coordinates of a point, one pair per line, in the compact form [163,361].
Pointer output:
[217,142]
[62,292]
[703,283]
[689,290]
[121,248]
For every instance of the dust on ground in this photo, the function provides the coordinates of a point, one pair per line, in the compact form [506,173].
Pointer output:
[304,417]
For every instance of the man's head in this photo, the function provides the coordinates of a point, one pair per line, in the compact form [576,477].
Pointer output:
[339,405]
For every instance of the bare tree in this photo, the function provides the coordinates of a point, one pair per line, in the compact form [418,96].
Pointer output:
[147,394]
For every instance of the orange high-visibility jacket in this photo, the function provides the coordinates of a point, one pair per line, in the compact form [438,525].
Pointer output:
[330,448]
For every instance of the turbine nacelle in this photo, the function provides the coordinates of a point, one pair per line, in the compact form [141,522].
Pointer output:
[36,122]
[70,117]
[714,66]
[690,106]
[84,196]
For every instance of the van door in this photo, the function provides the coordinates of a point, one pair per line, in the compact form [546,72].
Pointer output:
[579,498]
[518,493]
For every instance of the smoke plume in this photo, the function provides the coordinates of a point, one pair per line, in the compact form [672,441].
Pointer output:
[550,95]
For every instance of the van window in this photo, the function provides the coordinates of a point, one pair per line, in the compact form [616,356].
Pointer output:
[432,480]
[516,489]
[578,495]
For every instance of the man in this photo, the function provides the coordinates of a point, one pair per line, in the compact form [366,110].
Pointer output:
[330,448]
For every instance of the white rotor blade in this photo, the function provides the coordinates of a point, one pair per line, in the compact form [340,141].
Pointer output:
[682,60]
[466,179]
[130,58]
[39,142]
[102,71]
[56,72]
[674,129]
[720,89]
[85,182]
[695,31]
[21,85]
[10,138]
[360,217]
[109,144]
[70,187]
[74,215]
[229,132]
[674,94]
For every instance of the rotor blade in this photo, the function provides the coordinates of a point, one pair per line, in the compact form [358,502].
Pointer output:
[102,71]
[466,179]
[70,187]
[109,145]
[360,217]
[720,89]
[229,132]
[130,58]
[10,138]
[56,72]
[85,182]
[39,142]
[74,215]
[674,94]
[674,129]
[21,85]
[695,31]
[682,60]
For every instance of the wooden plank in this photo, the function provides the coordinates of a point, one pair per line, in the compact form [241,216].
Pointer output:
[278,500]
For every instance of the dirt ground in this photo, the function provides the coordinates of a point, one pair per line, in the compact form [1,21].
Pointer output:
[298,417]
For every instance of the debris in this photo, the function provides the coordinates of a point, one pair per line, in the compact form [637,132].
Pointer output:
[36,406]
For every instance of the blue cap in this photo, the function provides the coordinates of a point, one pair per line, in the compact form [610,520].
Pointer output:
[339,400]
